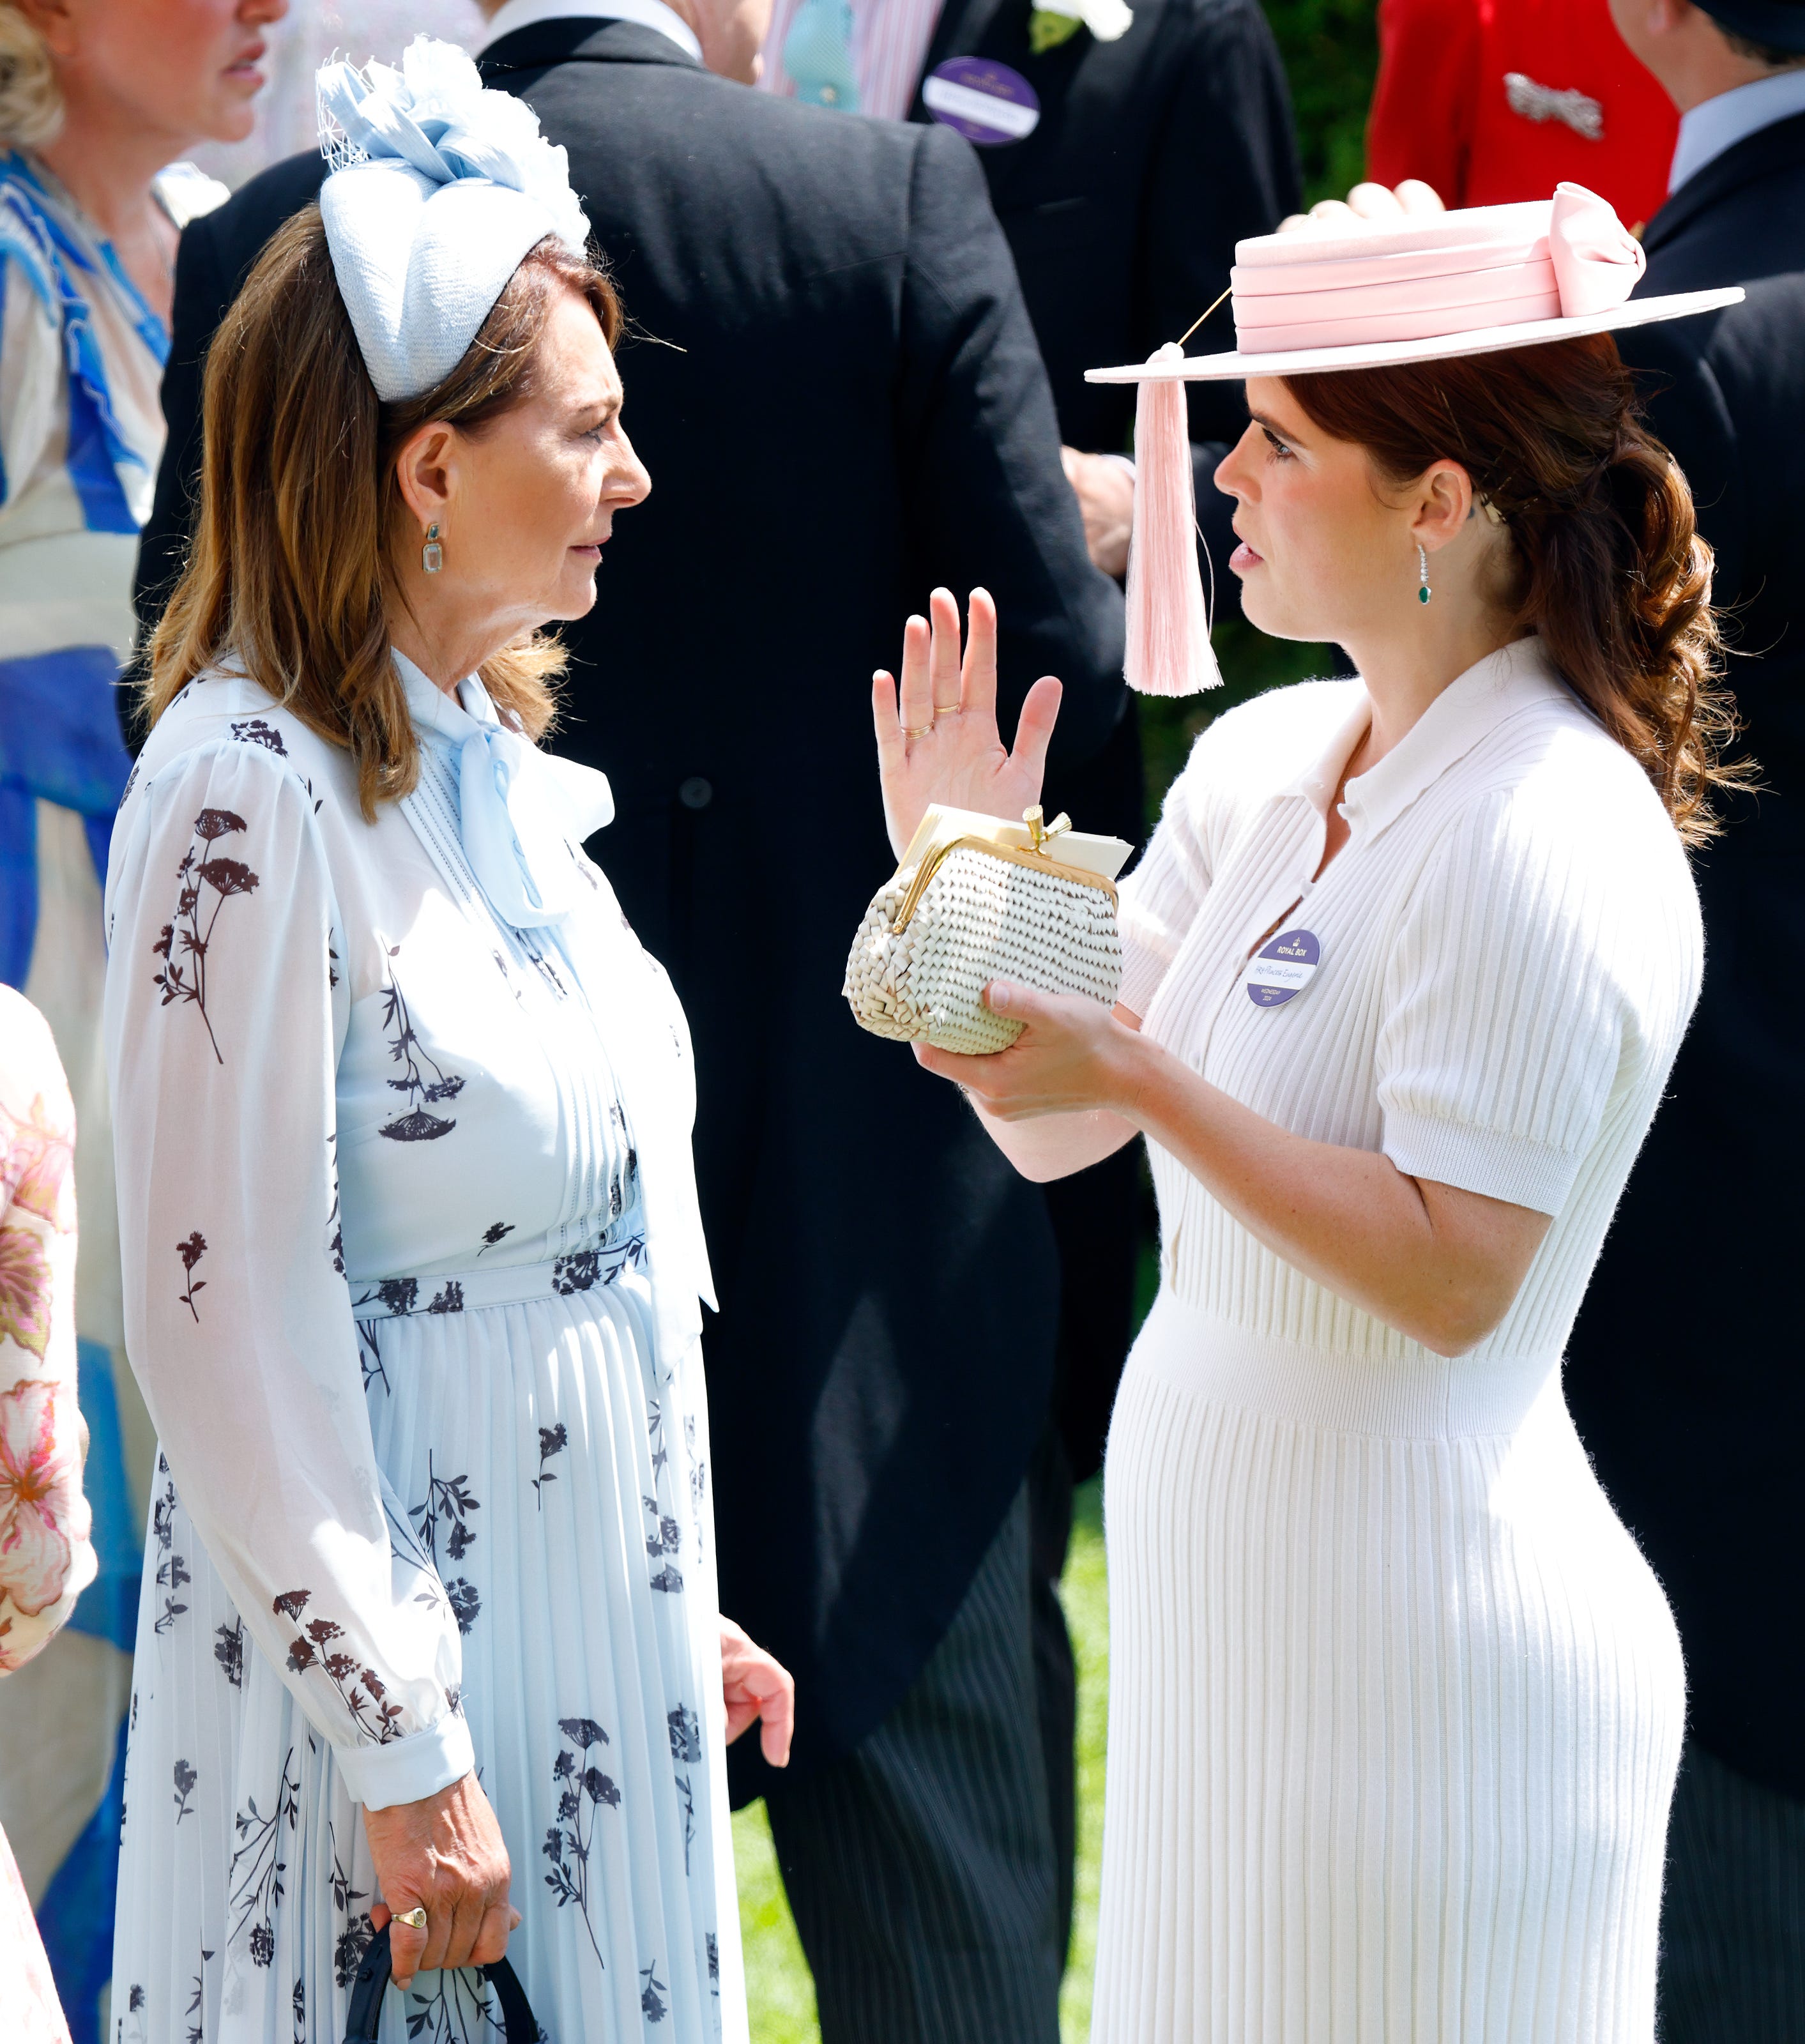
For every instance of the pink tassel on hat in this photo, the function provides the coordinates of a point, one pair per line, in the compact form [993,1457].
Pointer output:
[1168,651]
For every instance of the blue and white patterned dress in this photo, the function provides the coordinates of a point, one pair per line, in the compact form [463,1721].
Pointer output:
[81,432]
[411,1269]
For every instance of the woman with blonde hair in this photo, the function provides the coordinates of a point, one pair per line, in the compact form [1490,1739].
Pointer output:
[1396,1705]
[429,1643]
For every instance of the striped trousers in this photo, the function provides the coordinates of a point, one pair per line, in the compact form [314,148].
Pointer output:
[921,1867]
[1732,1920]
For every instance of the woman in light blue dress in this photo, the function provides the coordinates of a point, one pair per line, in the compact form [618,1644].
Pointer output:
[414,1264]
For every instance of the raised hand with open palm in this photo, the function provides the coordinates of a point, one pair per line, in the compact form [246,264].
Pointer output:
[940,743]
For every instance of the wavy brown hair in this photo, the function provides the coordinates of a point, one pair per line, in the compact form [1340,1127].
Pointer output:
[1609,566]
[288,571]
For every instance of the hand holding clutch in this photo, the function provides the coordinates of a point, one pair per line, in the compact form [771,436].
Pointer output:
[940,744]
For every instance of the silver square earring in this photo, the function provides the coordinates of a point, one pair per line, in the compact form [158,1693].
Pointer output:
[432,555]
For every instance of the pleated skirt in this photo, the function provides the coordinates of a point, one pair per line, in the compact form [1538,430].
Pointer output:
[1396,1707]
[561,1480]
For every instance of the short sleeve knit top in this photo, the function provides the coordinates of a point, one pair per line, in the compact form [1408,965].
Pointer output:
[1510,948]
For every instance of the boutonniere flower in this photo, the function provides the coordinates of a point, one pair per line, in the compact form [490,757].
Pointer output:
[1056,22]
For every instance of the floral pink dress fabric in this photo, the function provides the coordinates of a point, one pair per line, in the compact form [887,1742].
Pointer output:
[45,1559]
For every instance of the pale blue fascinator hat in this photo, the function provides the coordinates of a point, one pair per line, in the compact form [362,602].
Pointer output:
[438,189]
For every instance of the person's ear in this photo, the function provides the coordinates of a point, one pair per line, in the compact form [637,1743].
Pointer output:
[51,20]
[1445,502]
[426,470]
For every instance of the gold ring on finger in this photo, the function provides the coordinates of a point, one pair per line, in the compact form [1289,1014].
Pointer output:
[947,709]
[414,1919]
[916,730]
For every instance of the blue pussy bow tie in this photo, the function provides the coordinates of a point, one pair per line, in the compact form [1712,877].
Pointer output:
[521,810]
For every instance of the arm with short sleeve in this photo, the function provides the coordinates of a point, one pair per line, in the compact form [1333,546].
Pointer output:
[47,1559]
[986,500]
[1504,1021]
[225,1014]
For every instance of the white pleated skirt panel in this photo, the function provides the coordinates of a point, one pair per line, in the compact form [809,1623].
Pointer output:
[1396,1707]
[560,1481]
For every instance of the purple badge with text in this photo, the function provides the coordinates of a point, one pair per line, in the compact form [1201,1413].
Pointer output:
[1282,969]
[985,101]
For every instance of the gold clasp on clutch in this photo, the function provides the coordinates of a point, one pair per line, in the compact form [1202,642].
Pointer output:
[1043,834]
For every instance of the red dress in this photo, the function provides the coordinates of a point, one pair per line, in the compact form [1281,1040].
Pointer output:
[1491,100]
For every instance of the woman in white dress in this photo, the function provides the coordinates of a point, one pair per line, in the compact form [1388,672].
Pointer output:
[413,1259]
[1396,1703]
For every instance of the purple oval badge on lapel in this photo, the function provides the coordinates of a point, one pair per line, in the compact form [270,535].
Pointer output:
[1282,969]
[986,101]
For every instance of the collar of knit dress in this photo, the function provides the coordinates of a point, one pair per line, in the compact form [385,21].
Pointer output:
[1467,710]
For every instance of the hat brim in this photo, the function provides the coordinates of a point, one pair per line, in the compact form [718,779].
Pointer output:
[1436,348]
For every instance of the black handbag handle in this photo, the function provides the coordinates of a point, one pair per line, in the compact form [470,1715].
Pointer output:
[372,1982]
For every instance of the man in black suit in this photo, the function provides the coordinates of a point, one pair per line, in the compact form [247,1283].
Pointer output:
[1683,1372]
[836,390]
[1155,152]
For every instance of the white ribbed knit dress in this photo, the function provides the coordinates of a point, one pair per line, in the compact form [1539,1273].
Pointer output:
[1396,1705]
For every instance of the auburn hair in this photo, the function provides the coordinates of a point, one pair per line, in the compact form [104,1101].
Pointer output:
[1608,565]
[287,573]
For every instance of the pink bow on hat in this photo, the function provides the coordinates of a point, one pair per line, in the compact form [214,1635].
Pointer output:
[1357,283]
[1598,262]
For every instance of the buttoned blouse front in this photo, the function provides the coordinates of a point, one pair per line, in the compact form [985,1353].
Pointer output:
[1510,949]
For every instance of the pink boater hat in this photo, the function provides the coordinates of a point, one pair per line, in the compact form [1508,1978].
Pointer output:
[1364,294]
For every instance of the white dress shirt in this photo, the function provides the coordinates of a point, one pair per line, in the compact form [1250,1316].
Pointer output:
[1716,125]
[648,13]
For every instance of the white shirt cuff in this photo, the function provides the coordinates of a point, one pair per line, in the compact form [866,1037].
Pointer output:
[1122,461]
[407,1770]
[1481,1160]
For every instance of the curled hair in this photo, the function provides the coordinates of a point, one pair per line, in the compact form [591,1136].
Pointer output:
[1608,565]
[30,107]
[287,573]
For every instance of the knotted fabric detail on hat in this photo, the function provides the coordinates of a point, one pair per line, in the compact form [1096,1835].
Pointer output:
[439,188]
[1342,285]
[1598,262]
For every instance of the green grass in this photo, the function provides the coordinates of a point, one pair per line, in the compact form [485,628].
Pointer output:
[779,1988]
[1085,1592]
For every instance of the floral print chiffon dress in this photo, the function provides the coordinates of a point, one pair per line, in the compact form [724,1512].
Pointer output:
[411,1274]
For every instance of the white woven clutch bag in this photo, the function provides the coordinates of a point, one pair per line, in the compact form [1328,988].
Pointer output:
[974,899]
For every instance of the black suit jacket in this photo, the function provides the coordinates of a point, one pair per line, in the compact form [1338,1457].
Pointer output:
[837,391]
[1684,1373]
[1155,154]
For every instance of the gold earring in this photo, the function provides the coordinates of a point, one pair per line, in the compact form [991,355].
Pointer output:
[432,555]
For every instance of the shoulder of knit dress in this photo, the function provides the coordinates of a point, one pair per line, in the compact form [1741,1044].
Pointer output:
[1251,752]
